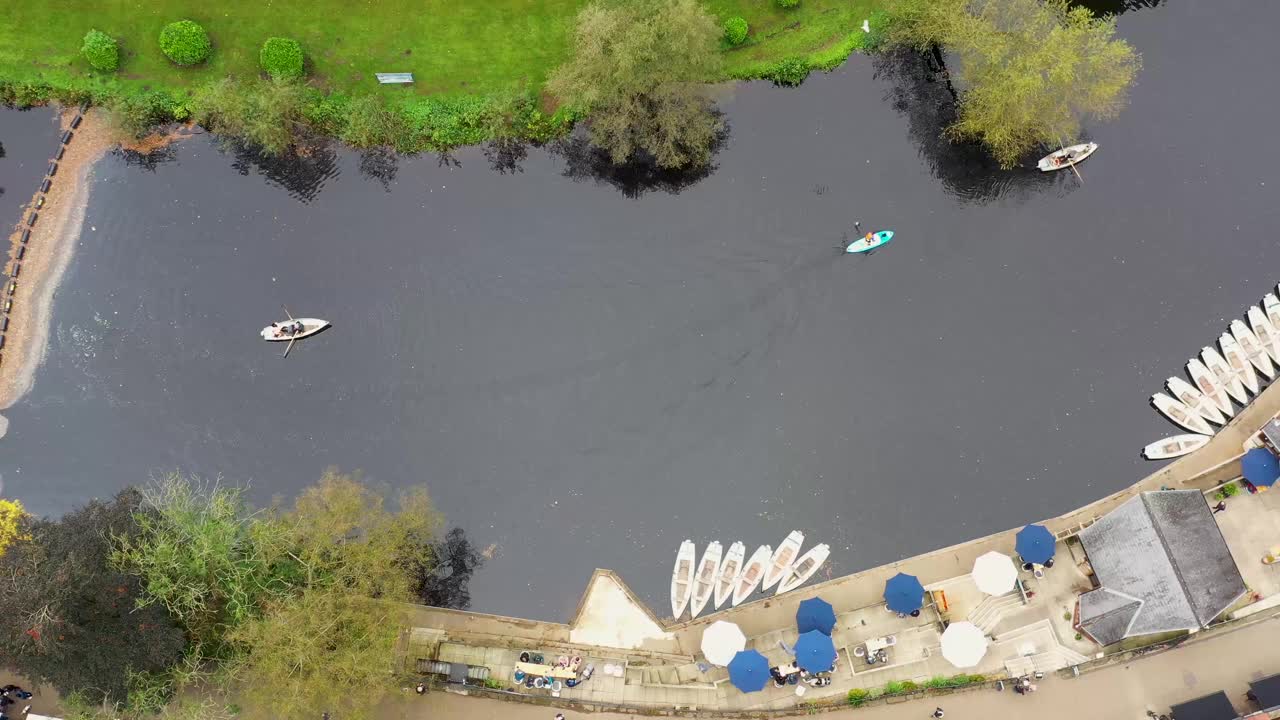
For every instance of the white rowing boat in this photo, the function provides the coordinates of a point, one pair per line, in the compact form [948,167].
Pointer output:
[682,578]
[1222,371]
[1271,306]
[1253,348]
[1239,362]
[730,571]
[1172,447]
[293,329]
[752,573]
[1208,384]
[1188,395]
[783,558]
[1266,332]
[1066,157]
[704,582]
[804,568]
[1181,414]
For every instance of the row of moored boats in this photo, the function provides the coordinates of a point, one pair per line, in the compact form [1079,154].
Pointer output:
[732,576]
[1249,358]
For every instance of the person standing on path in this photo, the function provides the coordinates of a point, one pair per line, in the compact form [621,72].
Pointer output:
[937,713]
[559,716]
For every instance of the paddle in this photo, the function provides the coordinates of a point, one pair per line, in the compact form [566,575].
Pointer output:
[288,348]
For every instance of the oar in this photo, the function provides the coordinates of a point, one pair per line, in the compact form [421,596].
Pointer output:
[288,348]
[286,312]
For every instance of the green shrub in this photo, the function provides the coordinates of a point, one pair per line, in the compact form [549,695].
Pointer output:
[787,4]
[735,31]
[281,58]
[790,71]
[1230,489]
[101,51]
[185,42]
[857,696]
[493,683]
[371,123]
[894,687]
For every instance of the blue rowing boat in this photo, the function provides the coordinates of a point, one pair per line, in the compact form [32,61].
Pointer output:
[870,242]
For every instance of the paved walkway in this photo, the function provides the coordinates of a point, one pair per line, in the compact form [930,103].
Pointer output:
[1120,692]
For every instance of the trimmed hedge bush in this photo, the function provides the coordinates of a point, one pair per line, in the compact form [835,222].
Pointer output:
[788,4]
[281,58]
[791,71]
[101,51]
[735,31]
[185,42]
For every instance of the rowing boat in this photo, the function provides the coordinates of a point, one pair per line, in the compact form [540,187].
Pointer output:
[730,570]
[1272,307]
[1253,348]
[752,573]
[783,558]
[1208,384]
[870,242]
[804,568]
[293,329]
[682,578]
[1266,332]
[1238,361]
[1066,157]
[1222,371]
[704,581]
[1181,414]
[1172,447]
[1194,399]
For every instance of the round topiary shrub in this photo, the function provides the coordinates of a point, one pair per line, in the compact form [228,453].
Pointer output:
[787,4]
[735,31]
[101,51]
[281,58]
[185,42]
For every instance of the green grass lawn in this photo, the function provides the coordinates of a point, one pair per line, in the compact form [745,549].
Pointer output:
[472,47]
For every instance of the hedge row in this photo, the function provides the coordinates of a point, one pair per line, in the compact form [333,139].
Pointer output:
[860,696]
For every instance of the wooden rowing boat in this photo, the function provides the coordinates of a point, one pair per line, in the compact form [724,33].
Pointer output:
[704,581]
[293,329]
[1208,384]
[1253,348]
[1191,397]
[752,573]
[682,578]
[1181,414]
[1222,371]
[1172,447]
[783,558]
[1266,332]
[730,571]
[1239,362]
[1066,157]
[804,568]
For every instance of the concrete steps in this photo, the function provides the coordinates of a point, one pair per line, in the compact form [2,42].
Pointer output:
[991,611]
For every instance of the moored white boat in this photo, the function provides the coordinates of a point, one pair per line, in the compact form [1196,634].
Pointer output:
[1172,447]
[1066,157]
[704,581]
[1265,331]
[1222,371]
[1208,384]
[804,568]
[1271,306]
[730,571]
[752,573]
[682,578]
[1181,414]
[783,558]
[1239,362]
[1253,348]
[1188,395]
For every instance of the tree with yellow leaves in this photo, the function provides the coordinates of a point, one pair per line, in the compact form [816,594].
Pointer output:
[11,514]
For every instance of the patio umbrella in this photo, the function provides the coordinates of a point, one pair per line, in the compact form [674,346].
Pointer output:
[721,641]
[1035,544]
[994,573]
[963,644]
[1260,467]
[815,652]
[749,671]
[904,593]
[815,614]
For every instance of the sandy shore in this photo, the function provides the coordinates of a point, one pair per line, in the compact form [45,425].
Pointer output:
[49,251]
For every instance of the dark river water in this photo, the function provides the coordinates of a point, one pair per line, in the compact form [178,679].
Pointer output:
[586,370]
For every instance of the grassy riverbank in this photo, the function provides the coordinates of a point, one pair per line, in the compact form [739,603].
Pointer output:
[462,55]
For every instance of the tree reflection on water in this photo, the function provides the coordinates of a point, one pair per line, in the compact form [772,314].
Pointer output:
[584,162]
[445,584]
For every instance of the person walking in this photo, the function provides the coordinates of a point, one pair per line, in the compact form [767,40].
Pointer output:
[937,713]
[559,716]
[1222,505]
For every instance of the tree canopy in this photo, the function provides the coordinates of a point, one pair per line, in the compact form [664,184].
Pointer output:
[1030,71]
[639,68]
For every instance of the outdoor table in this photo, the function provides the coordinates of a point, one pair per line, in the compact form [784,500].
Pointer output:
[876,644]
[785,670]
[551,671]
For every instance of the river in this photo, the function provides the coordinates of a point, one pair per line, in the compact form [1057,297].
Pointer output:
[586,371]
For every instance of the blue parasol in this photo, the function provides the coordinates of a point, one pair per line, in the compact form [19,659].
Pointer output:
[749,671]
[815,614]
[815,652]
[904,593]
[1035,544]
[1260,467]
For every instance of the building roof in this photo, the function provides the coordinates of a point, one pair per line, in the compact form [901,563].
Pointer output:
[1266,692]
[1162,565]
[1271,431]
[1210,707]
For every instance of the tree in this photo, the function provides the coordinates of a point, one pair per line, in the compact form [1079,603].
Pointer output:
[12,515]
[1031,70]
[281,58]
[68,617]
[185,42]
[101,51]
[267,113]
[639,69]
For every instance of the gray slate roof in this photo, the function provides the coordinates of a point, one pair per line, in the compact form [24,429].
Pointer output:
[1162,564]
